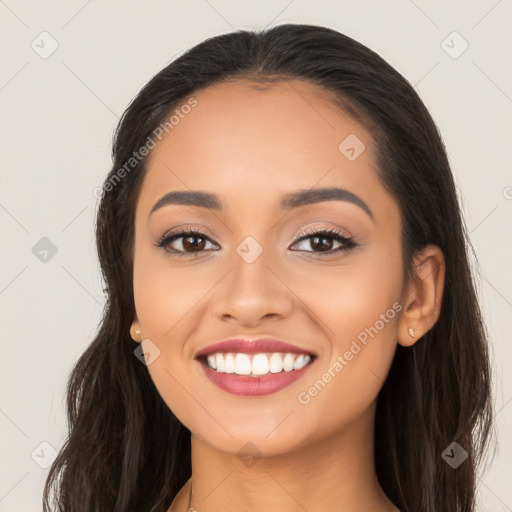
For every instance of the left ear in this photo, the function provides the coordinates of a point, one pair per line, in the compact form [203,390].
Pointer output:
[423,297]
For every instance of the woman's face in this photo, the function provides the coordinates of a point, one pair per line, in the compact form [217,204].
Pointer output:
[247,274]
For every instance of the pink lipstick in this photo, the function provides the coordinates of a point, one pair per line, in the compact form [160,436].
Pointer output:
[254,367]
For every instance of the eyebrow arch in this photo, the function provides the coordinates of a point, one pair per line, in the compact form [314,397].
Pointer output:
[291,200]
[318,195]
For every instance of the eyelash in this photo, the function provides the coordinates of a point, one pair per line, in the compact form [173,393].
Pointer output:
[348,242]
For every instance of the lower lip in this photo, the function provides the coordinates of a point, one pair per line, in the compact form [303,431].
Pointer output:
[254,386]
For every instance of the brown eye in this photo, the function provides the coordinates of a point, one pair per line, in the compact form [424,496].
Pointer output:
[321,242]
[190,243]
[184,243]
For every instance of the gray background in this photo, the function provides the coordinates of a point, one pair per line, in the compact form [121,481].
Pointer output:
[58,115]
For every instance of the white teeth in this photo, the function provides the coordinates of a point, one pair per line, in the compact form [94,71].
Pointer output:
[242,364]
[276,363]
[261,364]
[229,363]
[301,361]
[212,361]
[288,361]
[219,359]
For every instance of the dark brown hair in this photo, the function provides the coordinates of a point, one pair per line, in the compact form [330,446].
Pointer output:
[126,451]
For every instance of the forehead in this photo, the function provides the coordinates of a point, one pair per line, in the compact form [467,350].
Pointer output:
[247,141]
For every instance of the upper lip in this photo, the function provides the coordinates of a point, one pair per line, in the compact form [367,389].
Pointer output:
[252,346]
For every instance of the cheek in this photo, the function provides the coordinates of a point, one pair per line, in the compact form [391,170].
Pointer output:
[168,301]
[358,308]
[349,298]
[167,293]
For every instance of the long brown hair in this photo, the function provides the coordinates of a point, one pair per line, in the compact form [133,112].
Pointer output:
[126,451]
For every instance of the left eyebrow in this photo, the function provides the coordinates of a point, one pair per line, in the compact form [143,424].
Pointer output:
[291,200]
[310,196]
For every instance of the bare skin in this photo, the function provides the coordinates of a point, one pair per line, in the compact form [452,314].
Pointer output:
[251,147]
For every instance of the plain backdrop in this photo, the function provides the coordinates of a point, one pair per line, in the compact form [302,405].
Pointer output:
[67,72]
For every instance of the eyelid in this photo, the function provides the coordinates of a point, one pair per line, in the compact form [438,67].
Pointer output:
[307,231]
[187,228]
[324,228]
[340,235]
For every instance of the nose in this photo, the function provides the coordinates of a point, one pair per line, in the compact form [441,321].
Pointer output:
[251,293]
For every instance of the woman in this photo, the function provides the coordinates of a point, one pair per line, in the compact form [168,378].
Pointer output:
[291,321]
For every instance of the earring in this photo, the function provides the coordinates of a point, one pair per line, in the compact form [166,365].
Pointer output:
[137,334]
[411,332]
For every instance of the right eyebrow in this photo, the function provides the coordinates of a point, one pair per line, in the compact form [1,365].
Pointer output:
[292,200]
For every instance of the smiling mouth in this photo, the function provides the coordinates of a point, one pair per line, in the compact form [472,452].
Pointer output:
[255,365]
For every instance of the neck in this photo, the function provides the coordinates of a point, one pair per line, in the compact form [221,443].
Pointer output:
[335,474]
